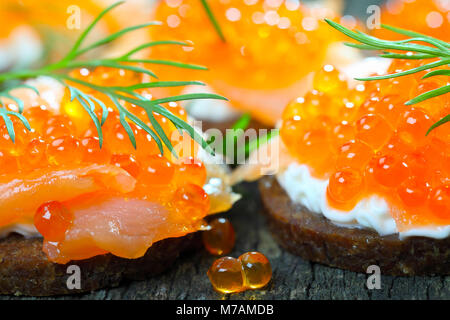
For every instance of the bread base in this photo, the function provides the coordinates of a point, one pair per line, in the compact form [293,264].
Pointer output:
[25,270]
[313,237]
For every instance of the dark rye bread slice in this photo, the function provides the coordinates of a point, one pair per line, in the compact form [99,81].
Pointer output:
[313,237]
[25,270]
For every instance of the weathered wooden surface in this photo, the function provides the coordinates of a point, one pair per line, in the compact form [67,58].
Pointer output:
[293,278]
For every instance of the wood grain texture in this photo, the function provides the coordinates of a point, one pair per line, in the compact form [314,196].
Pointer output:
[293,278]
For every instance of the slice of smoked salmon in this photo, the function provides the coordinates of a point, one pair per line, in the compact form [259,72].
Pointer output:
[125,227]
[21,195]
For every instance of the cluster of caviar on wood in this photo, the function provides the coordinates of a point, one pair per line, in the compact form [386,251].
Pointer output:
[430,17]
[366,141]
[251,270]
[259,34]
[220,237]
[68,139]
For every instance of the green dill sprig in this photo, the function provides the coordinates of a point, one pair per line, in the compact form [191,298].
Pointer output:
[431,48]
[116,94]
[213,19]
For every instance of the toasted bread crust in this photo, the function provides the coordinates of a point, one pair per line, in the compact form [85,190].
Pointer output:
[25,270]
[315,238]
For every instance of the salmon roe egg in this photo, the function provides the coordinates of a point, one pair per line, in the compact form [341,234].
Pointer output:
[35,153]
[92,153]
[52,220]
[192,170]
[127,162]
[354,154]
[440,201]
[329,80]
[157,170]
[64,150]
[413,192]
[256,268]
[345,185]
[414,125]
[191,200]
[226,275]
[390,170]
[220,238]
[57,126]
[373,130]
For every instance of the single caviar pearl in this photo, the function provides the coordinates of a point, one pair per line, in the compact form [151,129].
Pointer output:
[192,170]
[64,150]
[291,130]
[329,80]
[396,145]
[57,126]
[373,130]
[157,170]
[22,136]
[391,107]
[390,170]
[413,126]
[314,104]
[293,109]
[117,138]
[220,238]
[440,202]
[127,162]
[343,132]
[417,164]
[35,153]
[192,201]
[354,154]
[413,192]
[52,220]
[369,106]
[92,153]
[226,275]
[345,185]
[37,117]
[257,270]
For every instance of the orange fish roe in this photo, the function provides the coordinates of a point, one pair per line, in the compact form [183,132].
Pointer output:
[429,17]
[220,238]
[251,270]
[226,275]
[257,269]
[379,147]
[281,30]
[100,198]
[52,220]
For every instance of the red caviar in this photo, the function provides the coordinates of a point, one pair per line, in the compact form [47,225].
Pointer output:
[220,238]
[52,219]
[61,159]
[226,275]
[257,269]
[284,30]
[251,270]
[424,16]
[381,147]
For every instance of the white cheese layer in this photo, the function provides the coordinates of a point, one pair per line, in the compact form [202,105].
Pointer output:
[372,212]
